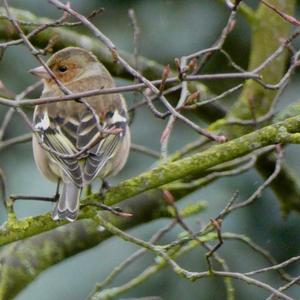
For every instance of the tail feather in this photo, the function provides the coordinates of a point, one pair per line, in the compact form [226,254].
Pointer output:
[67,207]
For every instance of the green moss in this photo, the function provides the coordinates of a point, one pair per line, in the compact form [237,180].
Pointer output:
[193,209]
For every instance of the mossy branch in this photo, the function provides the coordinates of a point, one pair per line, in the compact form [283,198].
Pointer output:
[42,251]
[277,133]
[284,132]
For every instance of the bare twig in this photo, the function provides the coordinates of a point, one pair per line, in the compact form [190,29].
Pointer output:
[183,272]
[259,190]
[115,55]
[3,185]
[136,36]
[16,140]
[285,287]
[285,16]
[145,150]
[132,258]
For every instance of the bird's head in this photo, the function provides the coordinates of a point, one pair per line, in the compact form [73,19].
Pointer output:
[69,65]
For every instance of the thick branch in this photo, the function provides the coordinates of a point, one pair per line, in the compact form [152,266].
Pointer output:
[277,133]
[42,251]
[283,132]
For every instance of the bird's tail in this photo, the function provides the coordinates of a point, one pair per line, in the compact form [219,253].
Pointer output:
[67,207]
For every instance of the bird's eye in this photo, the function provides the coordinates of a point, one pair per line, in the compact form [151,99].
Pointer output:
[109,114]
[62,68]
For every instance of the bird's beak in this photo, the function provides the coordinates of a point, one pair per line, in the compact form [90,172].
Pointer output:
[40,72]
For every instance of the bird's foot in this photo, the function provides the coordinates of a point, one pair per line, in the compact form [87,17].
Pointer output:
[104,188]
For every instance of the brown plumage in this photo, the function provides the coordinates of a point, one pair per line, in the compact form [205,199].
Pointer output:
[68,126]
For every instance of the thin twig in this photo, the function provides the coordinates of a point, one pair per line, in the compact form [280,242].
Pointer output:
[16,140]
[3,185]
[266,183]
[145,150]
[115,55]
[183,272]
[285,287]
[132,258]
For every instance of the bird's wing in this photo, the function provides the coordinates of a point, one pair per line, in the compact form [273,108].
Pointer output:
[99,160]
[87,129]
[57,136]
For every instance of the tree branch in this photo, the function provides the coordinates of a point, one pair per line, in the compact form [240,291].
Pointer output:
[284,132]
[43,251]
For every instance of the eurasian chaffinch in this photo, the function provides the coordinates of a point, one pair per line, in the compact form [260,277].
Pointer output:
[68,126]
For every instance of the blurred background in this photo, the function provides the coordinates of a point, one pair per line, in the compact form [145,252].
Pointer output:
[169,29]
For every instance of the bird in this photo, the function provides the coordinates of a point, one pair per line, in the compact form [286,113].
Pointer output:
[63,129]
